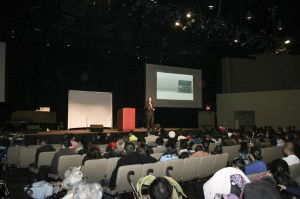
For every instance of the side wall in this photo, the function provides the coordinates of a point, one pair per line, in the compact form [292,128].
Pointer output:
[263,73]
[275,108]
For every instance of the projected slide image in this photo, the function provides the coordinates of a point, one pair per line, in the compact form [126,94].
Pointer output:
[172,86]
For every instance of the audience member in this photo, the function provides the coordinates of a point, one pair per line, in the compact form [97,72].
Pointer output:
[199,152]
[244,152]
[45,147]
[281,173]
[110,153]
[65,150]
[257,164]
[224,181]
[119,149]
[217,150]
[183,146]
[85,145]
[93,152]
[131,157]
[160,188]
[151,138]
[171,152]
[288,151]
[132,137]
[160,147]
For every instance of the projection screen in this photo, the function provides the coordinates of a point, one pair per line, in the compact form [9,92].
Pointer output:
[2,71]
[89,107]
[174,86]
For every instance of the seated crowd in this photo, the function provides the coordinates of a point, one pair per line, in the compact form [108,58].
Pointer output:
[133,149]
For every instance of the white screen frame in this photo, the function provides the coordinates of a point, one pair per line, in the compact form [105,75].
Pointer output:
[151,86]
[89,107]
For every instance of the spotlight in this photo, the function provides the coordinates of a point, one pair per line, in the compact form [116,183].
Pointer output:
[210,6]
[287,41]
[13,34]
[47,44]
[249,16]
[177,23]
[280,26]
[188,15]
[235,40]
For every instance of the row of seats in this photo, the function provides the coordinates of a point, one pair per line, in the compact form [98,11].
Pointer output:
[180,170]
[271,153]
[22,156]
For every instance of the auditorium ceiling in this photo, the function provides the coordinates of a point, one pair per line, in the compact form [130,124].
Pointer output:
[158,28]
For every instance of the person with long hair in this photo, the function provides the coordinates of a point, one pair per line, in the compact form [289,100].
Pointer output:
[257,164]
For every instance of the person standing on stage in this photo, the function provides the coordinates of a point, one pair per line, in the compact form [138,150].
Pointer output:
[149,107]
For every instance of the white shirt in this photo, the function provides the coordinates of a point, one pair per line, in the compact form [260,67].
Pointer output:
[220,182]
[291,159]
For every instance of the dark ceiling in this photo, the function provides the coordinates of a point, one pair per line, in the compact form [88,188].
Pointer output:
[146,27]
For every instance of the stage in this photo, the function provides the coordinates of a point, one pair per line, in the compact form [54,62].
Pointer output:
[88,131]
[55,136]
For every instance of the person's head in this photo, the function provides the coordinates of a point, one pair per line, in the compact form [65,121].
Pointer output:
[288,148]
[255,153]
[43,142]
[93,152]
[142,149]
[217,150]
[205,147]
[149,99]
[279,166]
[88,191]
[120,145]
[238,163]
[280,171]
[66,143]
[184,155]
[73,176]
[160,188]
[183,144]
[199,147]
[159,141]
[129,147]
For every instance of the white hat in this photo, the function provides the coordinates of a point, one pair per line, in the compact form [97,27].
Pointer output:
[172,134]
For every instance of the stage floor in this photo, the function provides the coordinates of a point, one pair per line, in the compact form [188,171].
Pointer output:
[87,131]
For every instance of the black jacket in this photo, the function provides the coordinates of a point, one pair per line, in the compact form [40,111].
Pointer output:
[130,159]
[43,148]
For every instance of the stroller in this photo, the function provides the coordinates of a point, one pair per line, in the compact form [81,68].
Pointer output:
[144,183]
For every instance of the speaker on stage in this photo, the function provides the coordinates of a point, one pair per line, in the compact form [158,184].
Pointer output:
[97,128]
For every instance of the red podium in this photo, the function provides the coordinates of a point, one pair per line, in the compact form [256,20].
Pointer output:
[126,119]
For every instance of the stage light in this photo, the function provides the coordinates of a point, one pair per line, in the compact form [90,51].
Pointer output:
[287,41]
[47,44]
[249,16]
[279,26]
[177,23]
[210,6]
[13,34]
[235,40]
[188,15]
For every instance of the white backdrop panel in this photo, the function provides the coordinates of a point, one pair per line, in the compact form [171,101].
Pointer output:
[2,71]
[89,107]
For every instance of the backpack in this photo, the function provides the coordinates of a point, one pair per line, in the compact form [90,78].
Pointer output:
[263,186]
